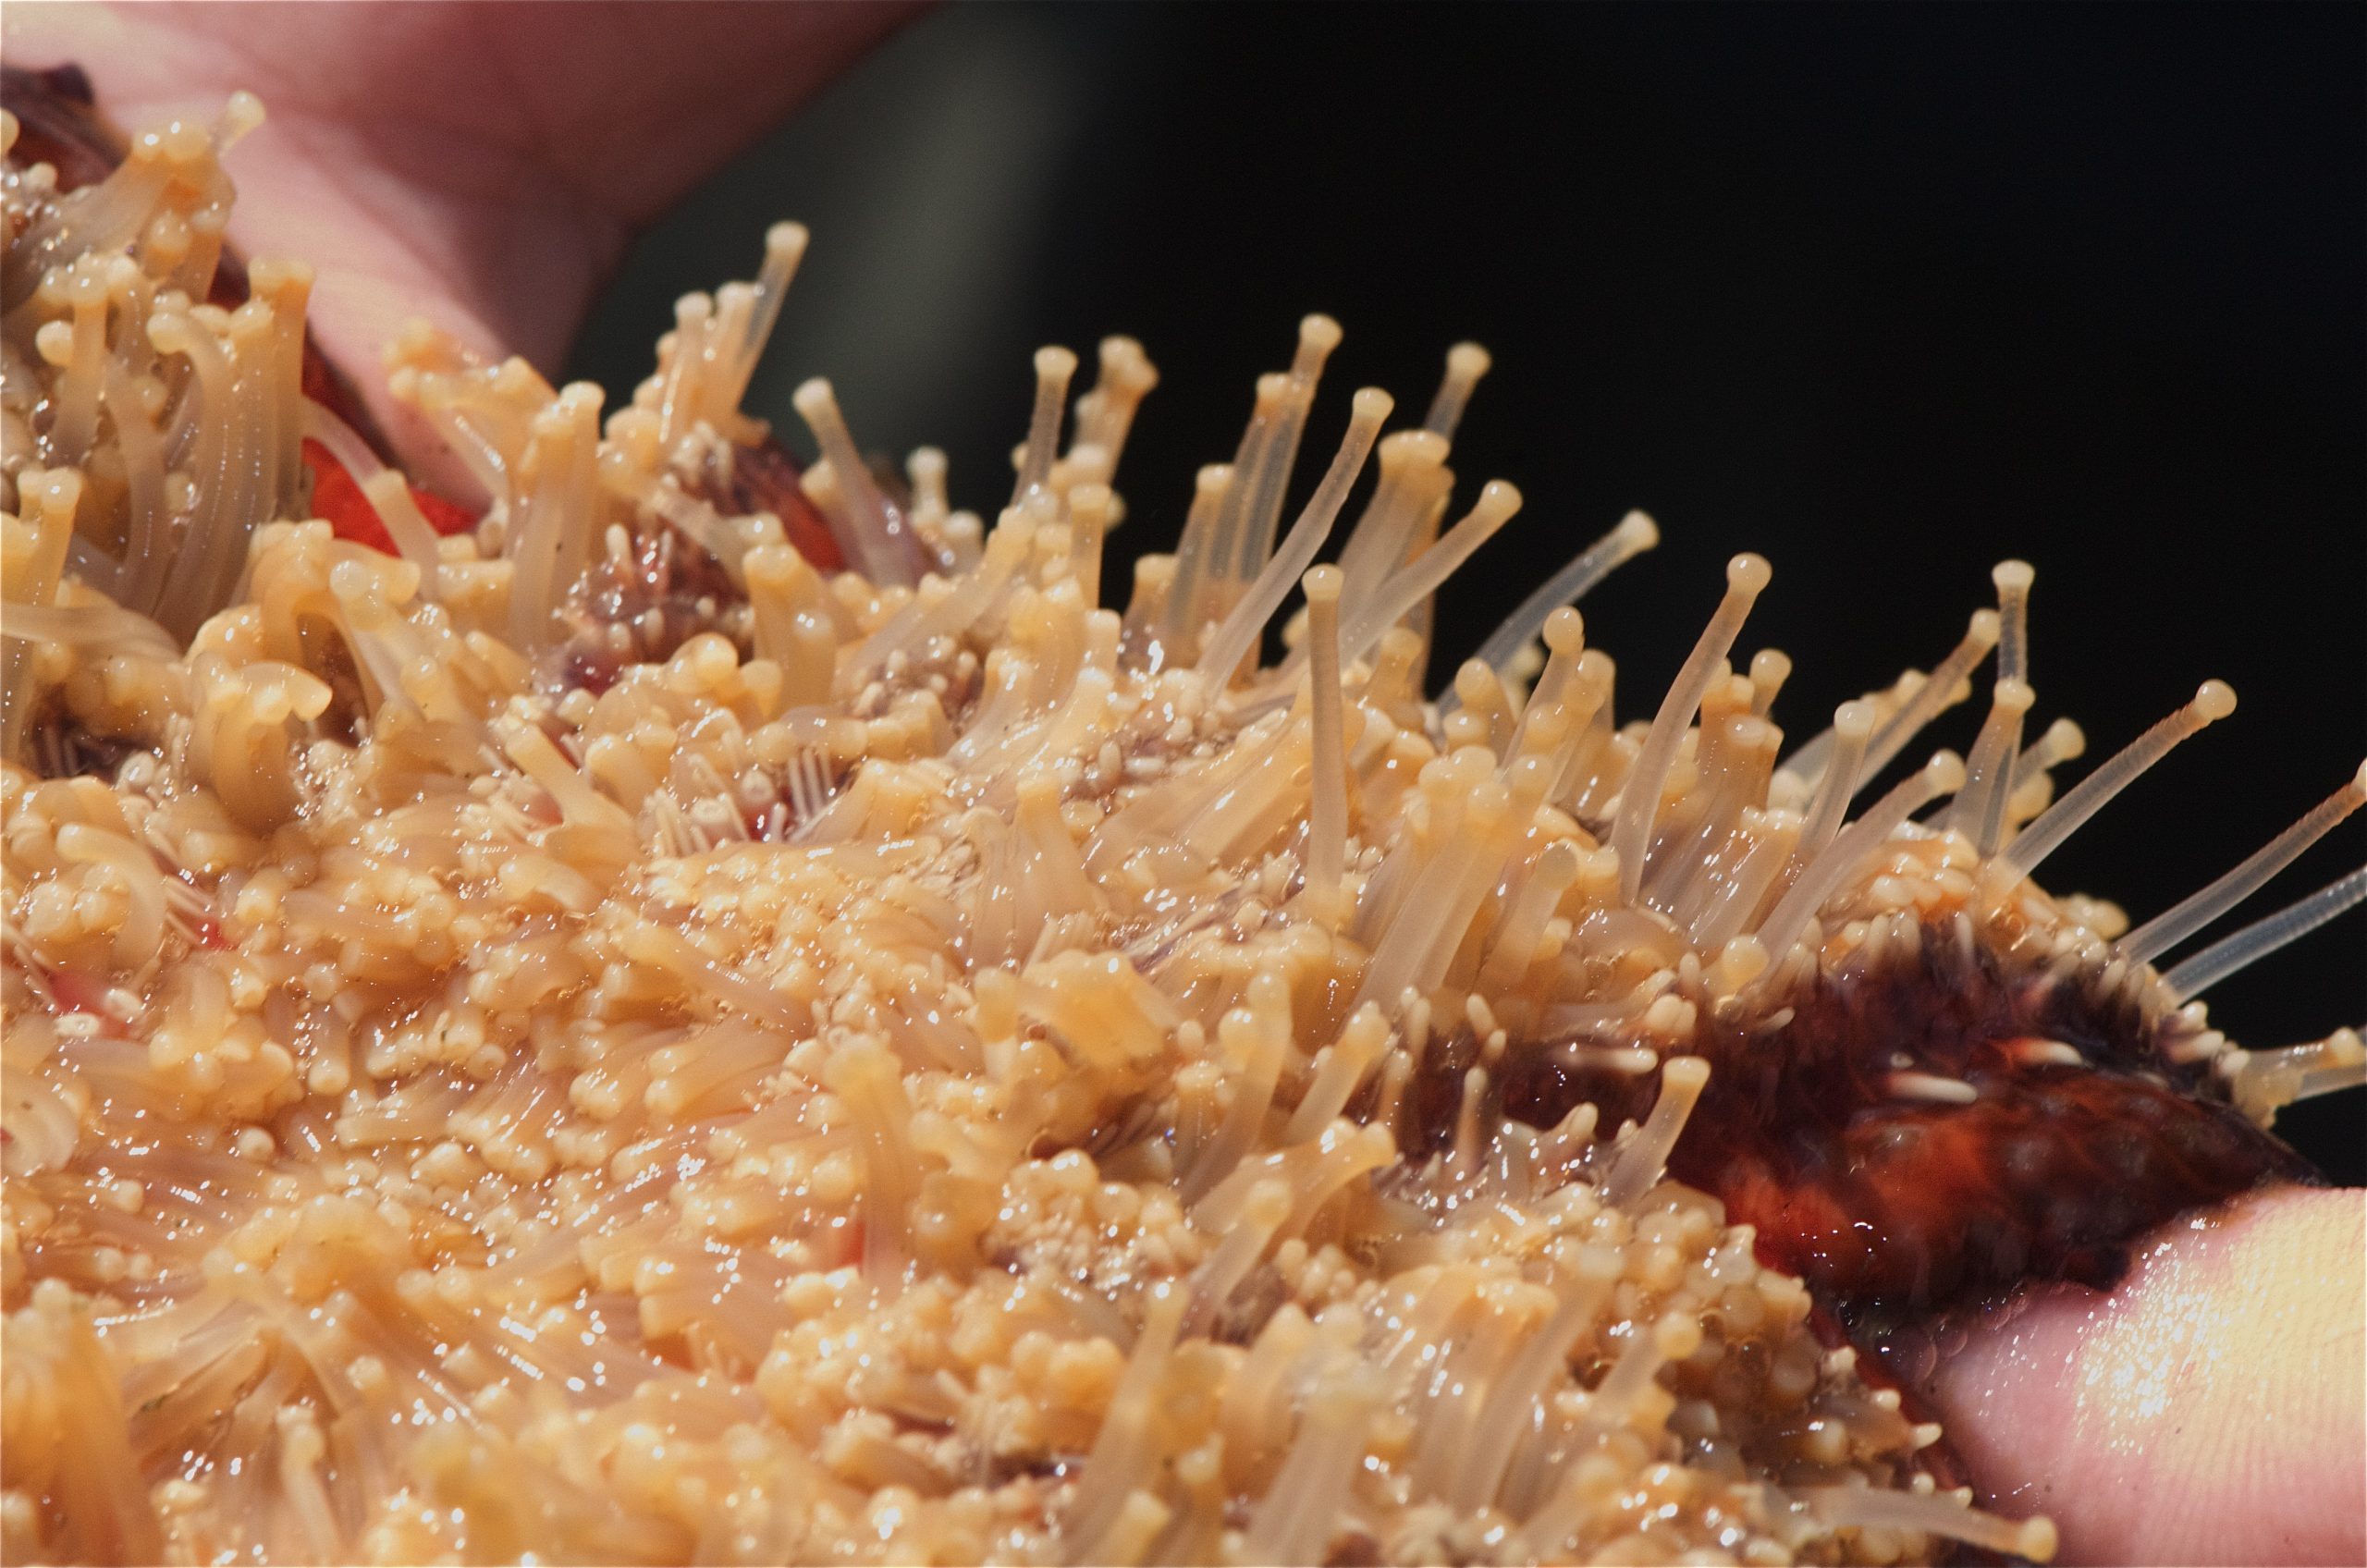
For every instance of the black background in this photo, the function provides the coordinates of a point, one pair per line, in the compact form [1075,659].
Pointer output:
[1887,295]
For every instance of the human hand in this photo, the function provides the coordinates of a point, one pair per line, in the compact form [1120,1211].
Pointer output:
[2211,1409]
[480,167]
[484,166]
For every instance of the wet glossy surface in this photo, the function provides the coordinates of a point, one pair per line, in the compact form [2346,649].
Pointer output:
[1886,1203]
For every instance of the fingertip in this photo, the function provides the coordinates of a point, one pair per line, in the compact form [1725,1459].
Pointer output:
[2211,1409]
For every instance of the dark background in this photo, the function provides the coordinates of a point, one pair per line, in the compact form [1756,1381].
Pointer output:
[1886,294]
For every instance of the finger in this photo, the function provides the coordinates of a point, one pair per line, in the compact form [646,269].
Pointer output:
[479,166]
[2211,1409]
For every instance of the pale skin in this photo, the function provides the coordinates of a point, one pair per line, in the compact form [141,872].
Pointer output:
[2211,1409]
[478,165]
[482,166]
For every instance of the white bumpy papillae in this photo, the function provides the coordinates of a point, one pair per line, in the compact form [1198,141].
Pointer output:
[898,1032]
